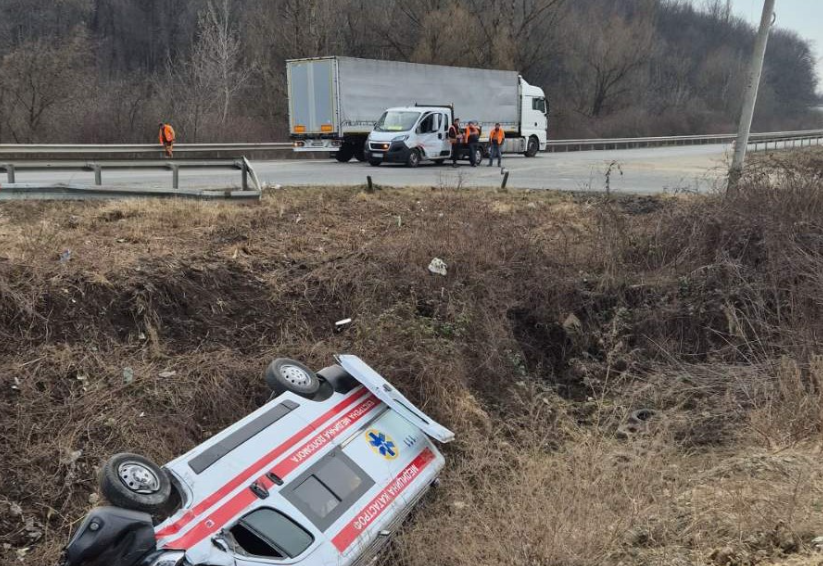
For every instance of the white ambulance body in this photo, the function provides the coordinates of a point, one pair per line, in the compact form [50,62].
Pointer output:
[300,480]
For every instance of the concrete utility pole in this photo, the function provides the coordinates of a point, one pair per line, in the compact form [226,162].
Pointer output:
[746,115]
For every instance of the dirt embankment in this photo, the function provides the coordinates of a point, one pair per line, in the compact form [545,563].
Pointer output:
[560,317]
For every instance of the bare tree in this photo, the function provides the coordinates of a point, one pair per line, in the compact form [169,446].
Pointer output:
[39,77]
[217,55]
[607,59]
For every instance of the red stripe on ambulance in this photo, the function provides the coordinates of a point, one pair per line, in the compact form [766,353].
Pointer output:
[256,468]
[226,512]
[376,506]
[310,448]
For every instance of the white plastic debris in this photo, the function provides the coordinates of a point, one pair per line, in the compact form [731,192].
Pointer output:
[167,374]
[341,324]
[128,375]
[438,267]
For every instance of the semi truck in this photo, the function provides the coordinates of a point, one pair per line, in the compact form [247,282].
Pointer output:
[335,102]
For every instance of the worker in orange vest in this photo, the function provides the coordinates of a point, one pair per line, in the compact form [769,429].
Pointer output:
[454,135]
[471,136]
[166,137]
[496,138]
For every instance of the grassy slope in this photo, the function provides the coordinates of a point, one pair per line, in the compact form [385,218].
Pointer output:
[558,317]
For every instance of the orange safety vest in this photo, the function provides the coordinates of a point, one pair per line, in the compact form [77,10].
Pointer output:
[454,133]
[471,130]
[166,134]
[497,134]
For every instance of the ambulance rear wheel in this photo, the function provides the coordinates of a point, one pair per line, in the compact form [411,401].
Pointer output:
[284,375]
[134,482]
[375,162]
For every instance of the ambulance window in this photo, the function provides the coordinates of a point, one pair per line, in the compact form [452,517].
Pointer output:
[317,496]
[328,489]
[338,477]
[266,532]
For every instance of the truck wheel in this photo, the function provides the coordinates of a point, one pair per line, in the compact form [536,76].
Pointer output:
[375,162]
[533,147]
[284,375]
[134,482]
[344,154]
[414,158]
[360,154]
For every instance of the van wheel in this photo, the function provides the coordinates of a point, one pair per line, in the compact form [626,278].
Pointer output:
[478,156]
[284,375]
[414,158]
[134,482]
[375,162]
[533,147]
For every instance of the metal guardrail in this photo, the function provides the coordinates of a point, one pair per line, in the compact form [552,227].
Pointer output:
[552,145]
[627,143]
[61,191]
[150,149]
[242,164]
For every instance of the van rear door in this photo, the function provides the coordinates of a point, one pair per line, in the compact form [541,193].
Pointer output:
[384,391]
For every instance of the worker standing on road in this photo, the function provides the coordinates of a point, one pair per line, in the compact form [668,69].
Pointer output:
[472,137]
[496,145]
[454,139]
[166,137]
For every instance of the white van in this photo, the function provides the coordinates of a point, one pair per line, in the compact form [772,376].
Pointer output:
[320,475]
[414,134]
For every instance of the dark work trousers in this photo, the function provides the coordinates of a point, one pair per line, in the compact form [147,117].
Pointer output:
[473,149]
[495,151]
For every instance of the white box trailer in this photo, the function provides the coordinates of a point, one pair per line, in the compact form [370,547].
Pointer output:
[334,102]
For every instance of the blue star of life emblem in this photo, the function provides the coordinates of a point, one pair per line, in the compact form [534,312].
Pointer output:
[382,444]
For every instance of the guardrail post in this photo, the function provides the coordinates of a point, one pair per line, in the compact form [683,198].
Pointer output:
[175,177]
[244,174]
[98,175]
[10,172]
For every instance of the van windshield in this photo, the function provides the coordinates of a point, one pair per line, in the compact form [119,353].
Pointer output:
[395,121]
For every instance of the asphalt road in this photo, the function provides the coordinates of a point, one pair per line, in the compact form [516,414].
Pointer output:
[647,170]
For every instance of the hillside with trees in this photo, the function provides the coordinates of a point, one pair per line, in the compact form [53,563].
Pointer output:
[109,70]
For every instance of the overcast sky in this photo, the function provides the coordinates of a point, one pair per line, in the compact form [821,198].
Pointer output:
[803,16]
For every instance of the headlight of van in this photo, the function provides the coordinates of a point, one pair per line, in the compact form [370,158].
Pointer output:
[400,138]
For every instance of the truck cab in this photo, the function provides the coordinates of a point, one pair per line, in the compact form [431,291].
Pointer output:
[534,122]
[410,135]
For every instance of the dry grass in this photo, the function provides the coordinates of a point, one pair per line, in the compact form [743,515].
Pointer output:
[560,315]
